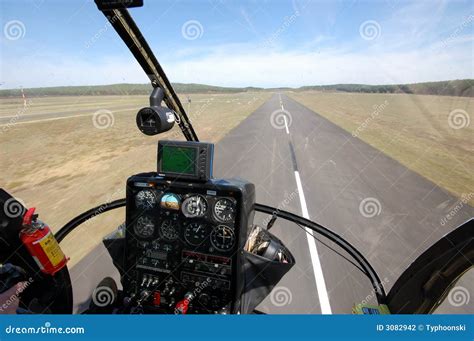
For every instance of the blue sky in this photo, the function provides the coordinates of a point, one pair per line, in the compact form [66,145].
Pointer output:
[241,43]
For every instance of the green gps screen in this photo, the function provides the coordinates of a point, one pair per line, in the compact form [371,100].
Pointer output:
[180,160]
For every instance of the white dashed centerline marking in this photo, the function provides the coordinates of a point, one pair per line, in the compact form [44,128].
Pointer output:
[313,251]
[284,118]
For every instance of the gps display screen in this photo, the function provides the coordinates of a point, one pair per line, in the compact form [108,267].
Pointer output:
[181,160]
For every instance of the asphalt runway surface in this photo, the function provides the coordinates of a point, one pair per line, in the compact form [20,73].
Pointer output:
[302,163]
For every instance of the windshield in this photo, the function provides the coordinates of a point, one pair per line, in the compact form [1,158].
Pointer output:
[356,115]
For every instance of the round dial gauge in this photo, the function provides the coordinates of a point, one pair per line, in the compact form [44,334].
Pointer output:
[170,201]
[224,210]
[194,206]
[144,227]
[195,233]
[145,199]
[222,238]
[168,230]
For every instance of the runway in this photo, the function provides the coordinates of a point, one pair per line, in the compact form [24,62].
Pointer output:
[302,163]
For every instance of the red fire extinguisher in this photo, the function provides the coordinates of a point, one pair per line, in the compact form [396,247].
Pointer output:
[41,244]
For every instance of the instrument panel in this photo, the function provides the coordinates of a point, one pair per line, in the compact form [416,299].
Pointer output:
[182,244]
[192,206]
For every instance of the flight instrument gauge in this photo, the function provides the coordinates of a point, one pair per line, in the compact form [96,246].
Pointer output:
[194,206]
[222,238]
[144,227]
[145,199]
[224,210]
[195,233]
[168,229]
[170,201]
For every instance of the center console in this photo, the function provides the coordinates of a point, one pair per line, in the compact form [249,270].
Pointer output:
[185,233]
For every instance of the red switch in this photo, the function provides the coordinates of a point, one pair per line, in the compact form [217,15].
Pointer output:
[157,298]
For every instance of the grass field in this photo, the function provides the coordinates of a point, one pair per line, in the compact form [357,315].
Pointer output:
[64,166]
[431,135]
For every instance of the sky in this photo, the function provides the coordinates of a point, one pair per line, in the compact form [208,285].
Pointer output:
[263,43]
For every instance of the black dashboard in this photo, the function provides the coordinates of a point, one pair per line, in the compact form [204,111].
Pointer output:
[184,243]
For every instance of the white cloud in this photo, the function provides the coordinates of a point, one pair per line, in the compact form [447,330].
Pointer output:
[296,69]
[419,42]
[250,65]
[54,70]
